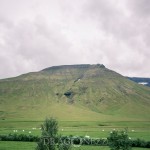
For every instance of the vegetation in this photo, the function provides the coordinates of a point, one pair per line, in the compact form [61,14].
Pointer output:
[113,140]
[49,134]
[140,143]
[50,138]
[87,100]
[90,91]
[119,140]
[5,145]
[31,146]
[19,137]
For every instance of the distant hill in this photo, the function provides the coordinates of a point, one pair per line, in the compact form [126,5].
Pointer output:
[140,80]
[73,92]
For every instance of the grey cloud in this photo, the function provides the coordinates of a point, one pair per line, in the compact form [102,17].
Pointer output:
[31,46]
[139,7]
[129,44]
[39,34]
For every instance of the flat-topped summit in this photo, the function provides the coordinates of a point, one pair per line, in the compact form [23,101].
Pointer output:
[79,66]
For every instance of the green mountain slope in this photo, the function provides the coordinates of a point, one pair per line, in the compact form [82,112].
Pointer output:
[73,92]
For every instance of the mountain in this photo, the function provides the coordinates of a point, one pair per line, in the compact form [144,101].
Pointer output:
[140,80]
[73,92]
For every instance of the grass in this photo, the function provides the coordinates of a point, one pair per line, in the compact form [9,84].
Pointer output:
[17,145]
[81,128]
[101,94]
[32,145]
[92,128]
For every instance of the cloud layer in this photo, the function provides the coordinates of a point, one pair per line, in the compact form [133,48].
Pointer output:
[35,34]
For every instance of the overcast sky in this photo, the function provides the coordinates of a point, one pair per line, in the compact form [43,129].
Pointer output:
[35,34]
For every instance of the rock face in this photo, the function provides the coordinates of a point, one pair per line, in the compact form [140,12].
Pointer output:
[83,87]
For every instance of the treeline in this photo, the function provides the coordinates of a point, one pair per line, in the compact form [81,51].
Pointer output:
[72,140]
[19,137]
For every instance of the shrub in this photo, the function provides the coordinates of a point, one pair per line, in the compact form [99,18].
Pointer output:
[64,143]
[119,140]
[50,139]
[49,133]
[19,137]
[140,143]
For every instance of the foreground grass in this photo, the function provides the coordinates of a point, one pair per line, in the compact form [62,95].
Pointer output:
[4,145]
[80,128]
[31,146]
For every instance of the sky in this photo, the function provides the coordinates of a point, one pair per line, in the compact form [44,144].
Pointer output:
[36,34]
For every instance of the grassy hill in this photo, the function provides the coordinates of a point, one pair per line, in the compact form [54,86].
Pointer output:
[73,92]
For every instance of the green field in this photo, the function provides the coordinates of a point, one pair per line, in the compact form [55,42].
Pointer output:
[94,129]
[97,129]
[31,146]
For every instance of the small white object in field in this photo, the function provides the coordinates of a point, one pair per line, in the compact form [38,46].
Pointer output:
[132,130]
[29,131]
[103,130]
[130,138]
[62,129]
[114,129]
[23,130]
[87,136]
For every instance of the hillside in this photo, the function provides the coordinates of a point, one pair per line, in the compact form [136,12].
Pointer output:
[73,92]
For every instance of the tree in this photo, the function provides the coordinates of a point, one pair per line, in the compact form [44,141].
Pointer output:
[50,127]
[50,138]
[119,140]
[49,134]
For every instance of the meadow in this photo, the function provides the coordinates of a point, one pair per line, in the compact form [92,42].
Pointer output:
[32,146]
[97,129]
[94,129]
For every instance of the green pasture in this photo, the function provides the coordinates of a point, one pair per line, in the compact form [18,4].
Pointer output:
[31,146]
[96,129]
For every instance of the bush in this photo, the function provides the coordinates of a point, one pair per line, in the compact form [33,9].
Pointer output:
[64,143]
[50,139]
[119,140]
[140,143]
[49,133]
[19,137]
